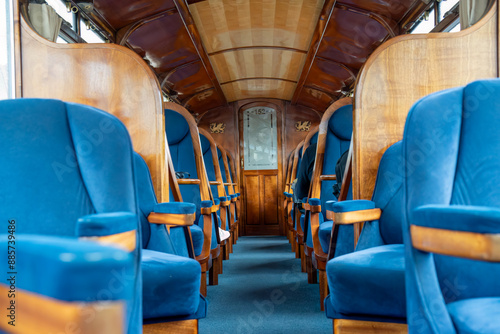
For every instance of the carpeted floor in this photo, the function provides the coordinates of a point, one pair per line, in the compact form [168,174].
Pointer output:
[263,290]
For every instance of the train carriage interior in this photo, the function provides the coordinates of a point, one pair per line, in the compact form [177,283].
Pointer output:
[249,166]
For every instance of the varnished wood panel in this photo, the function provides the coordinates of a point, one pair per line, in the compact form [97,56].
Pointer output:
[228,24]
[230,137]
[252,199]
[294,114]
[258,63]
[405,69]
[239,36]
[105,76]
[261,87]
[270,198]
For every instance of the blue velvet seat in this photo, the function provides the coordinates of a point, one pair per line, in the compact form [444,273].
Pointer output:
[451,146]
[171,276]
[70,174]
[333,140]
[368,284]
[182,145]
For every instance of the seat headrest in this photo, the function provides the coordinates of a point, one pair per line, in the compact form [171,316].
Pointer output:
[176,126]
[341,122]
[205,144]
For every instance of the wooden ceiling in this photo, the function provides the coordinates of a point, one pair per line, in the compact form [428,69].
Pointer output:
[211,52]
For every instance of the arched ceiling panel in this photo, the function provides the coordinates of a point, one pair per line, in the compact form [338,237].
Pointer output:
[121,13]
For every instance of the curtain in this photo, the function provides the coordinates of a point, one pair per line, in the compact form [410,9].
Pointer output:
[44,20]
[471,11]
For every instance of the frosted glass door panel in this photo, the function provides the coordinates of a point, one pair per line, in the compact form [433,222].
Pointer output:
[260,138]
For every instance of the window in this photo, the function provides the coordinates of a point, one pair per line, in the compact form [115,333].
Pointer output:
[87,31]
[6,51]
[442,16]
[260,138]
[76,28]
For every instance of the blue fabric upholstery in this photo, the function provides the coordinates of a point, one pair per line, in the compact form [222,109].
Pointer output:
[197,236]
[450,144]
[368,284]
[325,232]
[103,224]
[348,206]
[476,315]
[209,164]
[477,219]
[171,285]
[288,194]
[338,139]
[84,165]
[79,270]
[182,154]
[175,208]
[171,280]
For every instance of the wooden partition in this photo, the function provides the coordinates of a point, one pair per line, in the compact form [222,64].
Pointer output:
[105,76]
[405,69]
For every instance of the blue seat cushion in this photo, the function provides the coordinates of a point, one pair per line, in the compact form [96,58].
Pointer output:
[175,208]
[348,206]
[476,315]
[171,285]
[197,236]
[368,282]
[68,269]
[325,233]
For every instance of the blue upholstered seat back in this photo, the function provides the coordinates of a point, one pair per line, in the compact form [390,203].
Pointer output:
[63,165]
[182,154]
[338,139]
[147,201]
[388,194]
[451,146]
[209,164]
[62,161]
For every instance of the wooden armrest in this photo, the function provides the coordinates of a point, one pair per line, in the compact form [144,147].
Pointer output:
[314,208]
[469,245]
[176,219]
[125,240]
[328,177]
[206,211]
[353,217]
[188,181]
[215,183]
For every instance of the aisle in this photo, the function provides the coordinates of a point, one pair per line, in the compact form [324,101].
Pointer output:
[263,290]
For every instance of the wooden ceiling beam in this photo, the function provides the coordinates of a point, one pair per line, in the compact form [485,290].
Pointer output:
[187,19]
[319,32]
[281,48]
[257,78]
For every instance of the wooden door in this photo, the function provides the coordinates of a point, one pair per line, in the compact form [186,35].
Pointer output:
[260,139]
